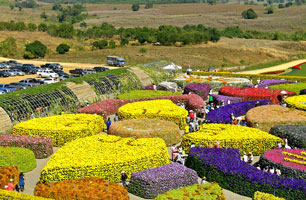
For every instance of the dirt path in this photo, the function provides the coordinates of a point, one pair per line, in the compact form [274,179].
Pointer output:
[275,68]
[142,75]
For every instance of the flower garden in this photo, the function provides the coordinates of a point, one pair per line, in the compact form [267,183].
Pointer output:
[82,159]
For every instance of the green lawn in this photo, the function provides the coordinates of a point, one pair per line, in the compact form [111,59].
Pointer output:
[297,72]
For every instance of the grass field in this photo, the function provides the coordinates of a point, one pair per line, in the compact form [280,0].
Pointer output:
[297,72]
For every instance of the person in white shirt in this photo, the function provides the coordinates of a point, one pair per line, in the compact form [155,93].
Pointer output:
[272,170]
[192,146]
[278,172]
[180,159]
[245,157]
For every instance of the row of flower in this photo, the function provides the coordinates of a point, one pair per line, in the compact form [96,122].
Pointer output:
[41,146]
[220,99]
[223,114]
[147,128]
[230,136]
[86,189]
[201,89]
[248,94]
[161,109]
[104,156]
[5,194]
[276,159]
[298,102]
[151,182]
[297,87]
[268,82]
[111,106]
[138,94]
[200,192]
[61,128]
[23,158]
[225,167]
[265,196]
[7,173]
[267,116]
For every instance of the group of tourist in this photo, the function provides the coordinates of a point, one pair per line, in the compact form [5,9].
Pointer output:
[248,158]
[19,187]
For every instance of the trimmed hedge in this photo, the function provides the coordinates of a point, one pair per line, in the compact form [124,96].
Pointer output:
[147,128]
[23,158]
[86,188]
[225,167]
[7,173]
[295,134]
[199,192]
[201,89]
[151,182]
[275,158]
[5,194]
[41,146]
[138,94]
[265,196]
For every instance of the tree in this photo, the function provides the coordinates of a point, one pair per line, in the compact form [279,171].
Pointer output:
[280,6]
[8,47]
[42,27]
[270,10]
[44,16]
[135,7]
[124,42]
[12,6]
[249,14]
[112,44]
[62,48]
[32,27]
[149,5]
[35,49]
[100,44]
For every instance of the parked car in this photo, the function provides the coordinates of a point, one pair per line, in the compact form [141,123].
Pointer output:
[13,63]
[100,69]
[6,88]
[4,74]
[32,81]
[52,66]
[19,85]
[50,80]
[90,71]
[28,70]
[115,61]
[78,71]
[11,72]
[47,73]
[63,77]
[5,65]
[2,66]
[60,72]
[2,92]
[18,72]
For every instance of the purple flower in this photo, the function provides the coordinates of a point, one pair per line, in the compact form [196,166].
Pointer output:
[201,89]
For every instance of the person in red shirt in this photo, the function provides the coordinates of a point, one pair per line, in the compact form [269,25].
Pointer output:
[10,185]
[191,115]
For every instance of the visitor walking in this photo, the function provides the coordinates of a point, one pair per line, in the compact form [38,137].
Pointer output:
[123,178]
[21,181]
[10,185]
[116,117]
[108,123]
[244,157]
[203,180]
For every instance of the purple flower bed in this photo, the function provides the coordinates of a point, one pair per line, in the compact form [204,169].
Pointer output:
[225,167]
[274,158]
[148,87]
[201,89]
[151,182]
[269,82]
[219,98]
[41,146]
[302,92]
[223,113]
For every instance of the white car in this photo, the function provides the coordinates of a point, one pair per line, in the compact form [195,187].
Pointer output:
[47,74]
[50,80]
[2,92]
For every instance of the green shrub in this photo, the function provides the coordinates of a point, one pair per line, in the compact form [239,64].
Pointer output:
[23,158]
[124,42]
[270,10]
[297,87]
[135,7]
[280,6]
[112,44]
[35,49]
[62,48]
[200,192]
[100,44]
[249,14]
[146,93]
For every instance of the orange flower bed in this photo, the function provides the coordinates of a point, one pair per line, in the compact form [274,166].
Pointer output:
[7,173]
[85,189]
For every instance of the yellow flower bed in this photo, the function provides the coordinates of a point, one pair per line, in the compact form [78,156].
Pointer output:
[265,196]
[231,136]
[161,109]
[104,156]
[61,128]
[4,194]
[295,161]
[297,101]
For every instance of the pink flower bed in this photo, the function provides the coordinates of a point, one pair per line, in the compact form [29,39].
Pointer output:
[111,106]
[276,156]
[41,146]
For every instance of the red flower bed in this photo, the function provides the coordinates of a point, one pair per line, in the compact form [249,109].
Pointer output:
[41,146]
[111,106]
[248,94]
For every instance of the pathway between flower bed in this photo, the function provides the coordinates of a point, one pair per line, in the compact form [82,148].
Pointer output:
[32,178]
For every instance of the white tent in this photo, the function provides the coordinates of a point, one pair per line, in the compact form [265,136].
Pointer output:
[172,67]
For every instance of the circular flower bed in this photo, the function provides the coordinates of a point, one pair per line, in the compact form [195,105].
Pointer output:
[61,128]
[87,188]
[147,128]
[23,158]
[298,102]
[265,117]
[104,156]
[291,162]
[231,136]
[160,109]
